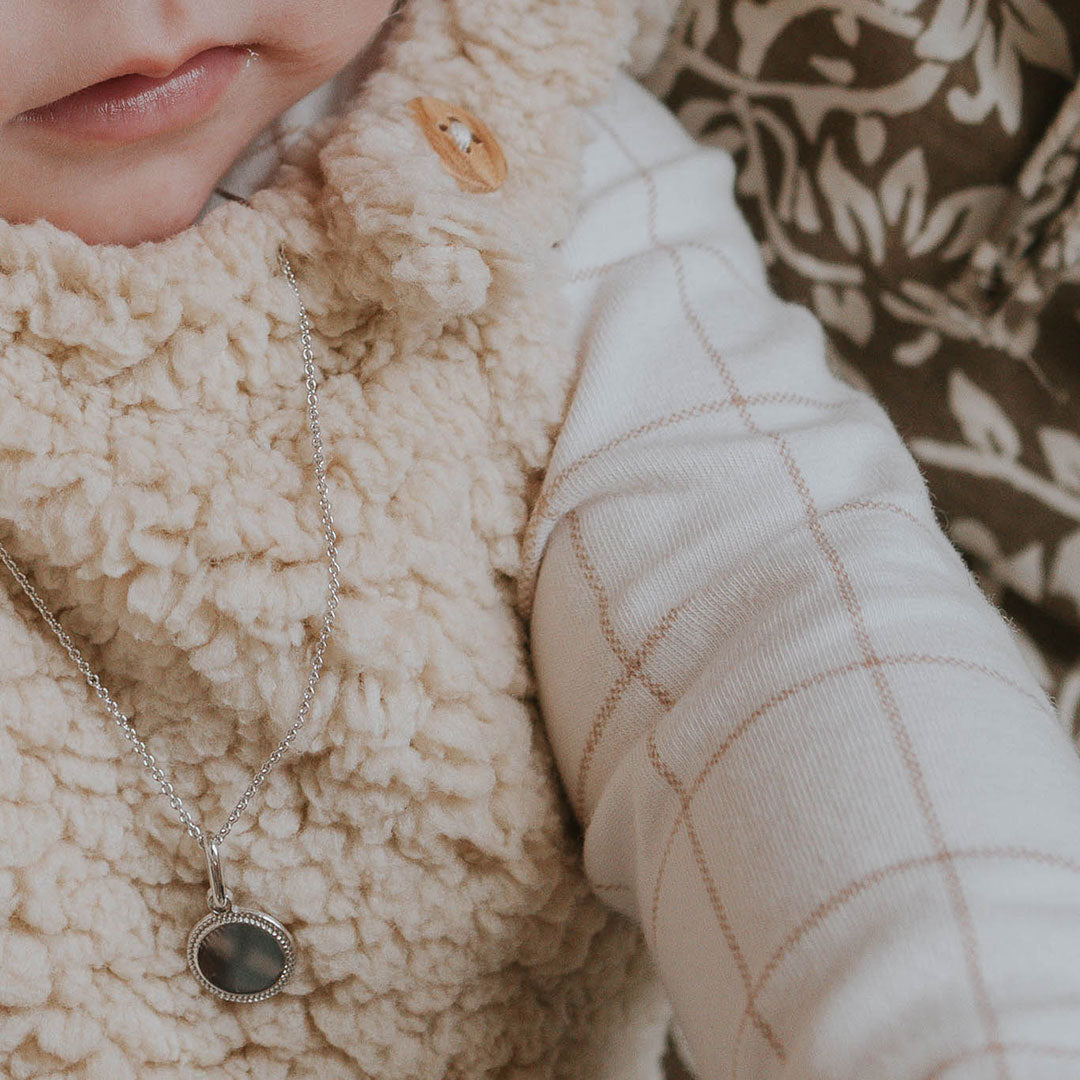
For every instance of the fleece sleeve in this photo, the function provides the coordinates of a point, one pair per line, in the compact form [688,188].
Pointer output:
[807,754]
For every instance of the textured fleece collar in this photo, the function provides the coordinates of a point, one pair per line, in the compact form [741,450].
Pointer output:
[362,201]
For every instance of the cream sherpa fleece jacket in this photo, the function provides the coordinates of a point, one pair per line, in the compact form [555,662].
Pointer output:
[804,753]
[157,474]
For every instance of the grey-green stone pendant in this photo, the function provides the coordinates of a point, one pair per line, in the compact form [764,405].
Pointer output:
[238,954]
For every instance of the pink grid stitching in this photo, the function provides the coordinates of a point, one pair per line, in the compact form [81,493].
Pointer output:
[856,888]
[898,728]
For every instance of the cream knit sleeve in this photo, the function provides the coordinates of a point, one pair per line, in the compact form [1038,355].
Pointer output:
[807,755]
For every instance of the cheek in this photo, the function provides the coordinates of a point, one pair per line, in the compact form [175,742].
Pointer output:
[318,36]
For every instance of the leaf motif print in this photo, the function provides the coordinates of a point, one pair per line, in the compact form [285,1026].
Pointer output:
[870,138]
[1025,572]
[713,121]
[806,212]
[918,350]
[1030,30]
[953,30]
[998,73]
[905,185]
[835,69]
[847,310]
[975,538]
[1062,451]
[760,24]
[962,218]
[704,18]
[1039,35]
[1065,573]
[846,26]
[981,419]
[853,205]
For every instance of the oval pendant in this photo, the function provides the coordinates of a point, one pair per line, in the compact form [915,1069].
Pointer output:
[237,954]
[241,955]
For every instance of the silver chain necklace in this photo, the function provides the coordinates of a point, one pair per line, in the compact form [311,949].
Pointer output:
[239,954]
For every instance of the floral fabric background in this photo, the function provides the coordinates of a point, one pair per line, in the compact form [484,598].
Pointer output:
[911,170]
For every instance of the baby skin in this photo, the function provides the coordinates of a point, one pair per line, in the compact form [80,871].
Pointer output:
[117,121]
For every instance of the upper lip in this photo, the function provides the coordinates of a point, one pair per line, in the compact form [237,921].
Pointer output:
[153,67]
[158,67]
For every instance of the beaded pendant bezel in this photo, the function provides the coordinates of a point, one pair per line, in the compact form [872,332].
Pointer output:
[267,923]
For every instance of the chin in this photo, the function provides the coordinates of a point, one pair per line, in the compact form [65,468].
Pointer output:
[128,222]
[154,225]
[128,195]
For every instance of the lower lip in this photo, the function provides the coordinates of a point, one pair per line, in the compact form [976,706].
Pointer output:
[133,107]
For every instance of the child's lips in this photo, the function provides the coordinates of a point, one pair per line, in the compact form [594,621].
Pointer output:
[132,107]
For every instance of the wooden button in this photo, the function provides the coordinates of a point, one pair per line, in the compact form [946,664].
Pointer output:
[466,146]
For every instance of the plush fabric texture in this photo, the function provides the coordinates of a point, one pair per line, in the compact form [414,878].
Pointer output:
[155,481]
[912,172]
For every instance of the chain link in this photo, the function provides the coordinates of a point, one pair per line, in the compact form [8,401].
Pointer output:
[194,830]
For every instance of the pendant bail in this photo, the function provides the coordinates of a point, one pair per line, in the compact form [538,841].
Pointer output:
[217,896]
